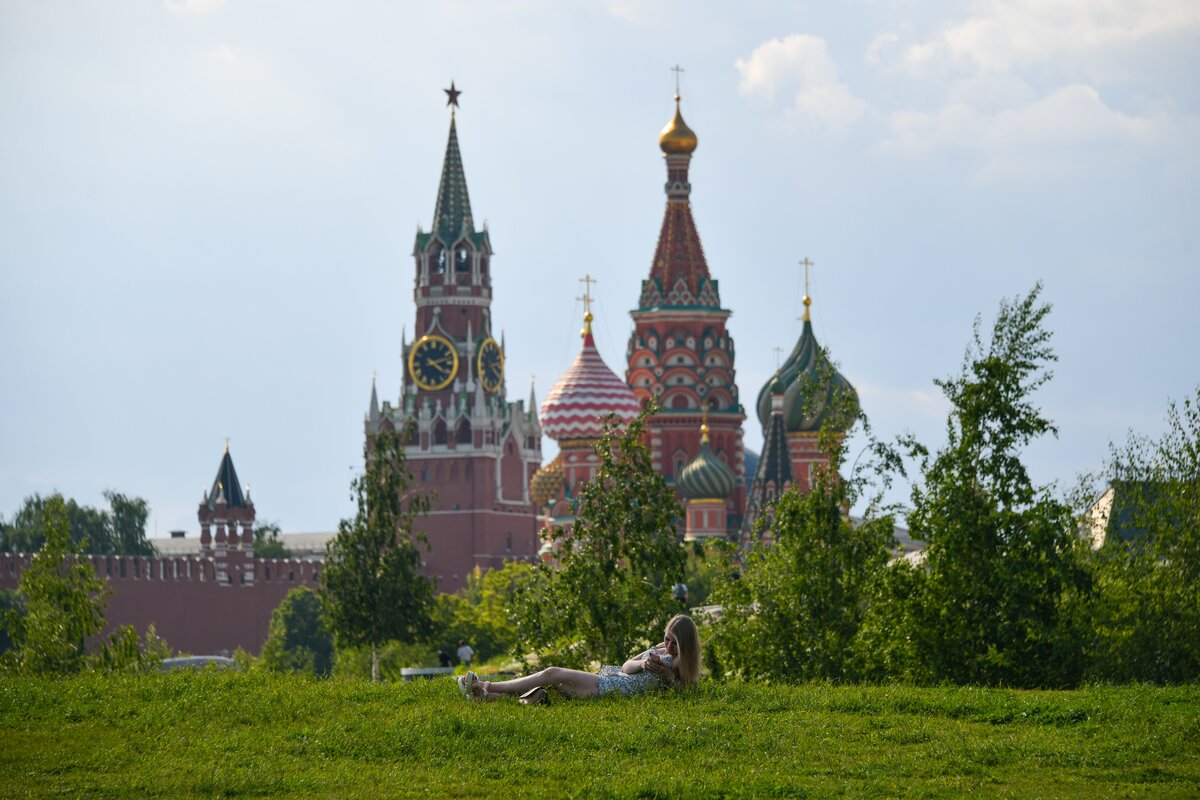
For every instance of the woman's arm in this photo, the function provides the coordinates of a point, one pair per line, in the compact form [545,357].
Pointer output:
[634,665]
[665,672]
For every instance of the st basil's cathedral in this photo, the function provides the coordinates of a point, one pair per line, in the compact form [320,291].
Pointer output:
[480,454]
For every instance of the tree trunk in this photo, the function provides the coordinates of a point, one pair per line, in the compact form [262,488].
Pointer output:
[374,665]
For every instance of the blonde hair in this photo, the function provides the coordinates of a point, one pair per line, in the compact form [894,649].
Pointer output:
[687,639]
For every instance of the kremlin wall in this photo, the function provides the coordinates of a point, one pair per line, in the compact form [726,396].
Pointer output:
[480,454]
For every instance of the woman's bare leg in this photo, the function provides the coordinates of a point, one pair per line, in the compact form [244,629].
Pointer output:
[571,682]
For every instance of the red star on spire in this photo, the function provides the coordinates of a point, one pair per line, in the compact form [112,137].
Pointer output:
[453,94]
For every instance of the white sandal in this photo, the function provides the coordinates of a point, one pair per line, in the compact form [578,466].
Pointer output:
[466,684]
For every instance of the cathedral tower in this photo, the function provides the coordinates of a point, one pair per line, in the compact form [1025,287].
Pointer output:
[467,444]
[680,350]
[806,397]
[574,414]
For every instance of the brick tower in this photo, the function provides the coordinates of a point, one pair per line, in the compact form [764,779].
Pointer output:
[226,516]
[679,350]
[469,445]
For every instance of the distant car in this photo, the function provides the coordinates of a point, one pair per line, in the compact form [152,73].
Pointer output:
[197,662]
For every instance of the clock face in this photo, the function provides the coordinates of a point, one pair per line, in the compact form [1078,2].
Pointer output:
[491,365]
[433,363]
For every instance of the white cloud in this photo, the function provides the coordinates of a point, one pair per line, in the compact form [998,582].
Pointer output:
[800,69]
[223,53]
[1012,33]
[1055,134]
[881,43]
[194,6]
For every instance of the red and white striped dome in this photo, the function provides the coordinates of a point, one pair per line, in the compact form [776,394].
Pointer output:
[586,393]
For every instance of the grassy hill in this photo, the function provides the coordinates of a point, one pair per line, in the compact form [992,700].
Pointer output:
[257,735]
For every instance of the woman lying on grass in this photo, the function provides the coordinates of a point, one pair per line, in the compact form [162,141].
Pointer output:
[674,663]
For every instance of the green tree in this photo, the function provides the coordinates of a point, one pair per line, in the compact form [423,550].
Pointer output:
[371,585]
[1146,613]
[127,524]
[1000,558]
[297,637]
[481,612]
[121,530]
[617,564]
[64,601]
[26,532]
[795,611]
[267,541]
[124,651]
[10,601]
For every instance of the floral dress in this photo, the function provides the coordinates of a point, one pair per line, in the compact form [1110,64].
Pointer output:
[613,680]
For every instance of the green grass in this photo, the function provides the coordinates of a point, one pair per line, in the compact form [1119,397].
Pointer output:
[257,735]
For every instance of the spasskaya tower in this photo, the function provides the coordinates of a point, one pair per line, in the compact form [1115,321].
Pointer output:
[469,446]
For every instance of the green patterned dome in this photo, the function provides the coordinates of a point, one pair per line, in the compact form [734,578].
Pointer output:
[705,477]
[814,392]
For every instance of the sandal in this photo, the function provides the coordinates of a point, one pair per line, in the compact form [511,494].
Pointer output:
[467,684]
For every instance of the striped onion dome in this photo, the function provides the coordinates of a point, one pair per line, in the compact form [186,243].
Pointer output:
[705,477]
[546,483]
[586,393]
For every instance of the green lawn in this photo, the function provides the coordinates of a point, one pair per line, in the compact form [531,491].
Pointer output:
[251,734]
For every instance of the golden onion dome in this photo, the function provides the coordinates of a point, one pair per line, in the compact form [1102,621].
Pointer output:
[677,138]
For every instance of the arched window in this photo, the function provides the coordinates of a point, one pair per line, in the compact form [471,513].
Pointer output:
[508,542]
[437,261]
[439,432]
[463,435]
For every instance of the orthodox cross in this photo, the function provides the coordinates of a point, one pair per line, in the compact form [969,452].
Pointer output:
[677,70]
[453,94]
[806,263]
[778,357]
[587,281]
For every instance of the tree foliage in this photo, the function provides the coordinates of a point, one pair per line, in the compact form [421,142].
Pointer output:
[63,601]
[481,612]
[119,531]
[298,638]
[125,651]
[616,564]
[371,585]
[1001,558]
[796,608]
[1146,616]
[267,541]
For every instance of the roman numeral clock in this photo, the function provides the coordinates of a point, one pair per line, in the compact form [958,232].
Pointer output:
[433,362]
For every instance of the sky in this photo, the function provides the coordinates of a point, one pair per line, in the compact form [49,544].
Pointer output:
[207,211]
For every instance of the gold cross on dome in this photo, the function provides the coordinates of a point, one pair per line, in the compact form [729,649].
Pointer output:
[806,263]
[587,281]
[678,70]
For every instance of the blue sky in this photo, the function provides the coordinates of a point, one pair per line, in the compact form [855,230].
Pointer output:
[207,211]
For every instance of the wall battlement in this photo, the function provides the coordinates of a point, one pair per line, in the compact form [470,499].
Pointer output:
[206,604]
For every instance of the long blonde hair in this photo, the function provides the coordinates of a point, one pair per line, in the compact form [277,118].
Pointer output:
[687,639]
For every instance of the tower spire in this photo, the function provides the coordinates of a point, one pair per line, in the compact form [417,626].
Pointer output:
[452,215]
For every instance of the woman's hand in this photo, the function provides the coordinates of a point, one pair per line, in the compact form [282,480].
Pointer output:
[657,666]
